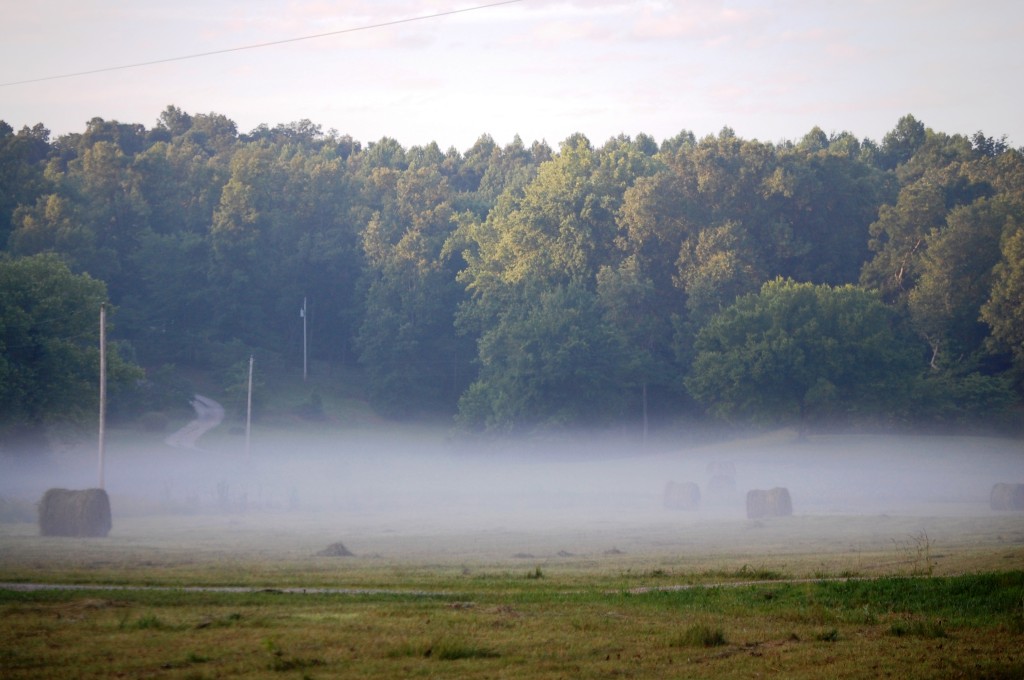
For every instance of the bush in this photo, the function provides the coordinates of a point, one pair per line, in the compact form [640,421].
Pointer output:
[701,635]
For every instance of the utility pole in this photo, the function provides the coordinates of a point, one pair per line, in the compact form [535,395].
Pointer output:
[302,313]
[248,413]
[103,388]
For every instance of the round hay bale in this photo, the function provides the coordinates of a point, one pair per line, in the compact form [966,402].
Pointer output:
[682,496]
[769,503]
[721,485]
[722,468]
[1007,497]
[63,512]
[336,550]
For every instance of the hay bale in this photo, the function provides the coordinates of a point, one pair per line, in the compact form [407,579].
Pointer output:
[769,503]
[722,468]
[74,513]
[1007,497]
[721,485]
[682,496]
[722,478]
[336,550]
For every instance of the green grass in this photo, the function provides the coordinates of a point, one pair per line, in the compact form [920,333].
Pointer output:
[963,626]
[701,635]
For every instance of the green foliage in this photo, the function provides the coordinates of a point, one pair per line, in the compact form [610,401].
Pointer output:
[22,158]
[956,279]
[49,347]
[1003,311]
[796,352]
[235,384]
[148,622]
[900,144]
[441,274]
[965,400]
[407,341]
[579,624]
[449,649]
[548,363]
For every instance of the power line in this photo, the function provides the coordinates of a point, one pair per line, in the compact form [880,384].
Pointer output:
[259,45]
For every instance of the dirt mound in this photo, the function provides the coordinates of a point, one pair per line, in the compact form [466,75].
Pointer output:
[336,550]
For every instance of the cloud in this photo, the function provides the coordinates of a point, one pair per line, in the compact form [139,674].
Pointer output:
[704,21]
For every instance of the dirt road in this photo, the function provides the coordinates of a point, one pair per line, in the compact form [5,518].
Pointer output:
[209,414]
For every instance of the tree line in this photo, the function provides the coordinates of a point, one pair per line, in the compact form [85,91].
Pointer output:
[825,280]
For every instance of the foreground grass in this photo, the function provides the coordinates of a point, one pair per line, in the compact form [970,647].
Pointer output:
[528,625]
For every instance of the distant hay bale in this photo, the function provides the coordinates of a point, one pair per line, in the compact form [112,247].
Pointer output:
[336,550]
[769,503]
[1007,497]
[722,468]
[722,478]
[74,513]
[682,496]
[721,485]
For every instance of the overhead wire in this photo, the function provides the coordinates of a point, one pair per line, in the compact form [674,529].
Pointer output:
[255,46]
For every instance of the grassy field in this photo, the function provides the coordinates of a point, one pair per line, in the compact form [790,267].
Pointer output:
[795,597]
[554,559]
[528,623]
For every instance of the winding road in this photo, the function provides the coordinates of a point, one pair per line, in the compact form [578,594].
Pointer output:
[209,414]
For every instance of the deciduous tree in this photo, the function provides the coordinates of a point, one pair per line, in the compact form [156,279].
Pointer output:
[49,349]
[799,352]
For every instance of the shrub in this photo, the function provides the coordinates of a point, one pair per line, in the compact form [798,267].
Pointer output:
[701,635]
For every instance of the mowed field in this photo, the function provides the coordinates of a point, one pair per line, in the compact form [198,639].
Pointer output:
[553,559]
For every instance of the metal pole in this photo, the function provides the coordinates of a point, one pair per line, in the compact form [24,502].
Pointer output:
[304,371]
[103,389]
[248,412]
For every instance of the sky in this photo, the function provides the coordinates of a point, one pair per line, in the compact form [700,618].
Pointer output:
[449,71]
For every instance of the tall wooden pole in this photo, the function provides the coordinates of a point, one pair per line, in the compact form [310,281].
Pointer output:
[645,413]
[248,412]
[103,390]
[304,372]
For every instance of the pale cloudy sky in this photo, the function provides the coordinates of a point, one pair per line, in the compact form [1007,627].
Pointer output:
[543,69]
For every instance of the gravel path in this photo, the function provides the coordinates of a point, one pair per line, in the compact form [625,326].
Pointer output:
[209,414]
[32,587]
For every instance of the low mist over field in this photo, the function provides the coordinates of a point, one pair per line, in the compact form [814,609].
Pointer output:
[593,492]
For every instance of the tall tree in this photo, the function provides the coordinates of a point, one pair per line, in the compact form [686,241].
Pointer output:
[550,362]
[538,252]
[49,349]
[407,342]
[22,161]
[901,143]
[796,353]
[1004,310]
[955,281]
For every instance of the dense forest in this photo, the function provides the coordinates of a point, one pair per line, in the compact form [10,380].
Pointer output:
[828,281]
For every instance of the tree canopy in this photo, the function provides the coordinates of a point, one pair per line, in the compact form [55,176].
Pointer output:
[522,286]
[803,352]
[49,348]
